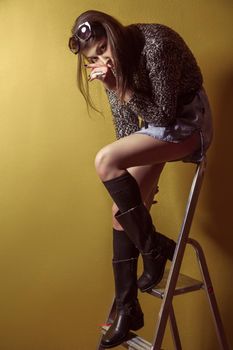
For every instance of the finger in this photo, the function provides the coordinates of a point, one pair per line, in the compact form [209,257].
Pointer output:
[94,65]
[96,75]
[98,71]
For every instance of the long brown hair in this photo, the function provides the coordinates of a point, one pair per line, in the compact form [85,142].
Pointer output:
[124,47]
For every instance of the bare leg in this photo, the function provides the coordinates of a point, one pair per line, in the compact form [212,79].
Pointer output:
[139,150]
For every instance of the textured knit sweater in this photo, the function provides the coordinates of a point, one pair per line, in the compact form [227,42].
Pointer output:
[167,75]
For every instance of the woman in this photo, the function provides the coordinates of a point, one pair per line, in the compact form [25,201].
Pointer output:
[151,75]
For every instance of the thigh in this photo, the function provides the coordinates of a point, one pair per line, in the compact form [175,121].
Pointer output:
[138,150]
[147,178]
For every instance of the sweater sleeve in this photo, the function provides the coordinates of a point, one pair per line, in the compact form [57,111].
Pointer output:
[125,120]
[164,65]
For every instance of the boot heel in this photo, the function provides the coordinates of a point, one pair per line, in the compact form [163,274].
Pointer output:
[137,324]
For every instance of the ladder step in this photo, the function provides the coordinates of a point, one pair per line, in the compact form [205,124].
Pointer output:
[134,342]
[184,284]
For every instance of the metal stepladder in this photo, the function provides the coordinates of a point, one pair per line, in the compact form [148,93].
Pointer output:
[174,283]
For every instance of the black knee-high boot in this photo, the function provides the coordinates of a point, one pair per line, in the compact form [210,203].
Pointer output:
[128,315]
[153,246]
[136,221]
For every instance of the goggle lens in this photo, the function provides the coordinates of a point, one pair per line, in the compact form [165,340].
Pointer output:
[84,33]
[74,44]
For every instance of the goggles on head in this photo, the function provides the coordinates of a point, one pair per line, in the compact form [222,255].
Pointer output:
[84,33]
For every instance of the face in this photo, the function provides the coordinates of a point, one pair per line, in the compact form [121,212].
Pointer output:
[99,53]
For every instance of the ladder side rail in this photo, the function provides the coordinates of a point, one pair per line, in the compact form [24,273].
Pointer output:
[178,256]
[210,294]
[174,329]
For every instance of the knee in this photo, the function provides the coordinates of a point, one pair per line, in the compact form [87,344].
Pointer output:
[103,162]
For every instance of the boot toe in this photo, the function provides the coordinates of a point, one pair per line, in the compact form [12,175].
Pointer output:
[112,340]
[116,334]
[152,274]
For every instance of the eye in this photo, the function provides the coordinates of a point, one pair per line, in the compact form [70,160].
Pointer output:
[93,59]
[103,48]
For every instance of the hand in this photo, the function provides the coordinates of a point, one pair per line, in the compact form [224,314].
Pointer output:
[104,73]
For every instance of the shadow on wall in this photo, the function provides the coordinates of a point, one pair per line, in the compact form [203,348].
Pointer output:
[220,190]
[220,167]
[217,219]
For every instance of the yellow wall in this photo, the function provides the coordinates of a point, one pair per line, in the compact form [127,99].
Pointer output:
[55,238]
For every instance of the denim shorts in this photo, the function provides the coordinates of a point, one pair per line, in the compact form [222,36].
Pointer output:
[193,117]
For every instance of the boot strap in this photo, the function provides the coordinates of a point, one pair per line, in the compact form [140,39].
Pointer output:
[123,260]
[153,253]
